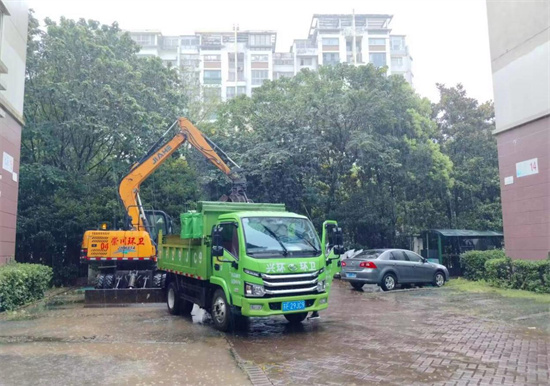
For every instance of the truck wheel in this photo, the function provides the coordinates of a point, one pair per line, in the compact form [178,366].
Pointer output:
[173,300]
[221,311]
[296,318]
[100,281]
[109,281]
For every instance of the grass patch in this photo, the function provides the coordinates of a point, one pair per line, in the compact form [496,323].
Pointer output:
[481,286]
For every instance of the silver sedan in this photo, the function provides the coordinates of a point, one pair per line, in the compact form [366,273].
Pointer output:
[389,267]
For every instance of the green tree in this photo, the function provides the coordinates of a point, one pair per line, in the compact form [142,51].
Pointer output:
[465,133]
[344,142]
[92,108]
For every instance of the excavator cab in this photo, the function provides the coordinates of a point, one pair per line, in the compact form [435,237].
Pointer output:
[158,220]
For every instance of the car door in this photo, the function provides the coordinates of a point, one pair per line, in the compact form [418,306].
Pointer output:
[421,272]
[401,266]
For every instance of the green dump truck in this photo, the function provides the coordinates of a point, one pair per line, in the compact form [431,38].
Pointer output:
[241,260]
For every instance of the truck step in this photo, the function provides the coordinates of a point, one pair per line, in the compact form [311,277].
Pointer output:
[124,296]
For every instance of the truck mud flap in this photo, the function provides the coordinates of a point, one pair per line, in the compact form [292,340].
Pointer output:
[124,296]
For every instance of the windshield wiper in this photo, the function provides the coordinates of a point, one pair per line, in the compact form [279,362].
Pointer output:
[309,242]
[285,252]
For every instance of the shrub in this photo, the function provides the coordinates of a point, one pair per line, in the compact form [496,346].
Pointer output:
[531,275]
[498,271]
[473,262]
[22,283]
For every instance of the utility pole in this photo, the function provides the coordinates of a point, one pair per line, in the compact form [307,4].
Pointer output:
[235,29]
[353,49]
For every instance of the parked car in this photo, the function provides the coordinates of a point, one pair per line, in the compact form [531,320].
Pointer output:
[389,267]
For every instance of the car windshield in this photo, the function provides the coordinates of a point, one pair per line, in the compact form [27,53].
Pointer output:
[280,236]
[371,254]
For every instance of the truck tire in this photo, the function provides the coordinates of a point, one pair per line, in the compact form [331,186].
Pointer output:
[296,318]
[157,280]
[100,281]
[109,281]
[221,311]
[173,300]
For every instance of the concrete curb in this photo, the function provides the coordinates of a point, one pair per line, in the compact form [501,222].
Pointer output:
[256,375]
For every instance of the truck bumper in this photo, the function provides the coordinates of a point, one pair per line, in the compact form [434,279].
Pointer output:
[274,306]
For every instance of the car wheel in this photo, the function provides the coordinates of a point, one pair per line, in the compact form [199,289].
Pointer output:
[173,300]
[296,318]
[357,285]
[221,311]
[388,282]
[439,279]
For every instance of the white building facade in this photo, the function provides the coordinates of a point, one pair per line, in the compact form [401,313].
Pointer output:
[207,59]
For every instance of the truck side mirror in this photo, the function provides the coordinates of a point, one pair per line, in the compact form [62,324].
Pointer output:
[217,248]
[338,240]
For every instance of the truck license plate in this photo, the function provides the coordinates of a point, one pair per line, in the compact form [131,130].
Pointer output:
[351,275]
[294,305]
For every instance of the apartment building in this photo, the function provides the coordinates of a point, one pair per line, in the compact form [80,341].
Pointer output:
[223,67]
[520,60]
[13,51]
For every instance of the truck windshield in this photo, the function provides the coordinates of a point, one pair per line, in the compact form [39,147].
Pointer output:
[280,236]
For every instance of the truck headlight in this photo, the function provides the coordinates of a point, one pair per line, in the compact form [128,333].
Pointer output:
[321,286]
[254,290]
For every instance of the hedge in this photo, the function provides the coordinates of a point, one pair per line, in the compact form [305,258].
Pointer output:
[501,271]
[473,262]
[22,283]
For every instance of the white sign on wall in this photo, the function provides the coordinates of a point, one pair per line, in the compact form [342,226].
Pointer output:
[526,168]
[7,162]
[509,180]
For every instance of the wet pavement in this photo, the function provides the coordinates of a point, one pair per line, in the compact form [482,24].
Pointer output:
[427,336]
[68,344]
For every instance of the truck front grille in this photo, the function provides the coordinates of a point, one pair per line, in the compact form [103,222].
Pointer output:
[290,284]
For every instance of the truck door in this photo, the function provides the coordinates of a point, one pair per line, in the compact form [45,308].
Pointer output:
[227,266]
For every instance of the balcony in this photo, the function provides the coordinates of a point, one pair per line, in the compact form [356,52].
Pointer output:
[358,57]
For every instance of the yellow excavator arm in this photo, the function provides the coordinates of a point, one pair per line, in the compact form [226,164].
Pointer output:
[130,184]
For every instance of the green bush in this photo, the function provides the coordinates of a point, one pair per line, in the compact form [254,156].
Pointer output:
[498,272]
[531,275]
[473,262]
[22,283]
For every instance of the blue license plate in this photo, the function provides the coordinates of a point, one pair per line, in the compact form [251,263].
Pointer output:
[295,305]
[351,275]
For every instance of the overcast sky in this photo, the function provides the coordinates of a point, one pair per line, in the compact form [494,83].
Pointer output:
[448,39]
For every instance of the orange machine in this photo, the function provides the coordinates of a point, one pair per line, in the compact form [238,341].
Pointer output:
[126,258]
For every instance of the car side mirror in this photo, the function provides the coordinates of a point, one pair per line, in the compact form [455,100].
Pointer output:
[217,249]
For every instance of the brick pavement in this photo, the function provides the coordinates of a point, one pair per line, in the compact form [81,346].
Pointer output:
[431,336]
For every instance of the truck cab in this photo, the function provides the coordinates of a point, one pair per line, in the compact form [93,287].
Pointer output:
[242,259]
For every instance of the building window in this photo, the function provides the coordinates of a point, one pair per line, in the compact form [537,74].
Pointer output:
[230,91]
[260,40]
[279,75]
[331,42]
[260,58]
[306,62]
[212,77]
[283,62]
[212,58]
[259,76]
[331,59]
[144,40]
[396,62]
[378,59]
[170,42]
[377,42]
[189,60]
[397,43]
[189,43]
